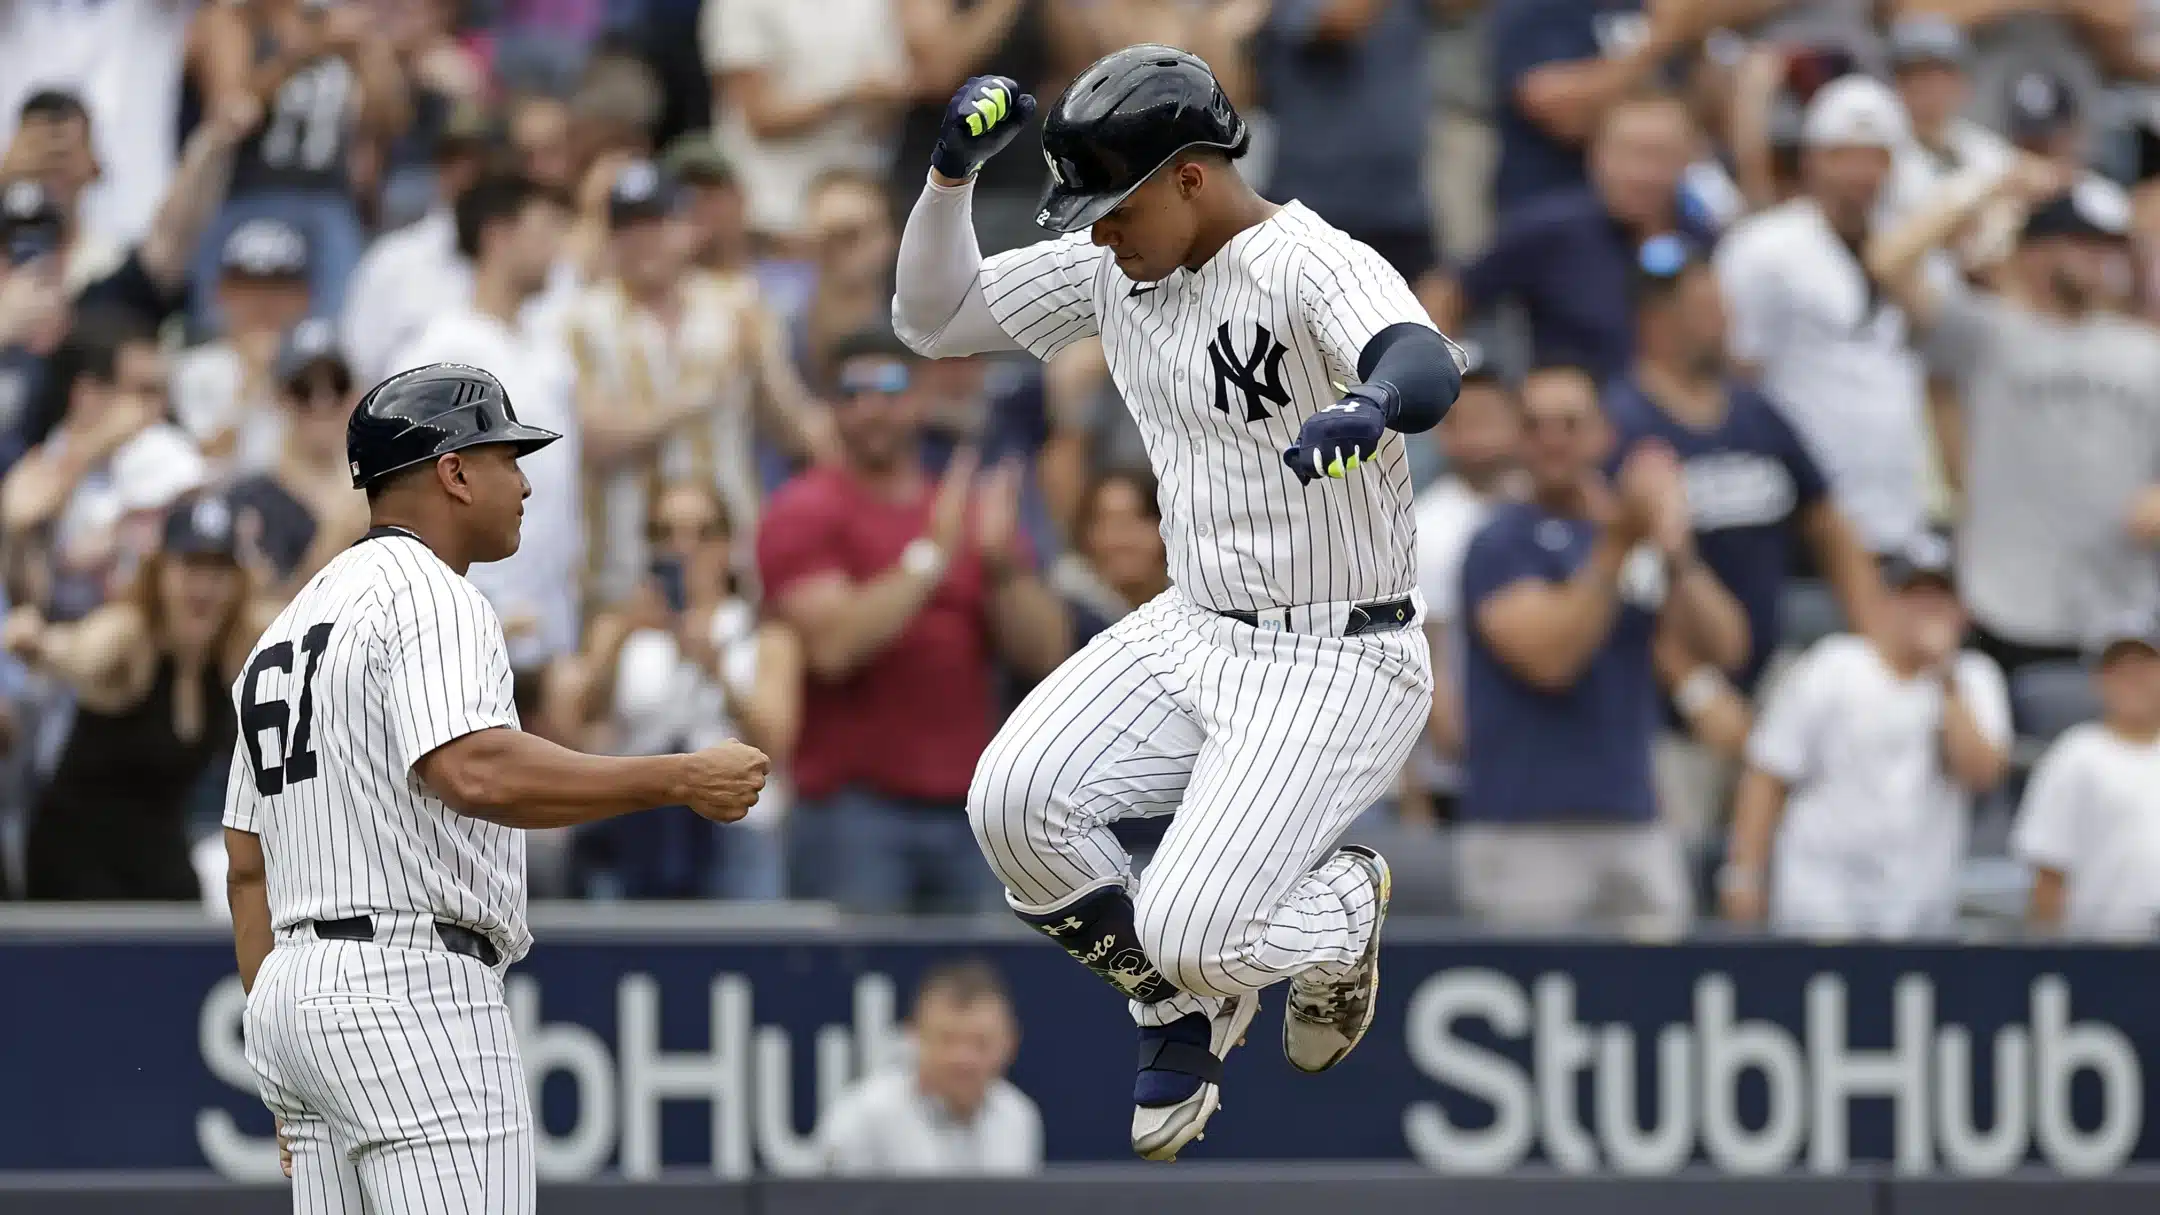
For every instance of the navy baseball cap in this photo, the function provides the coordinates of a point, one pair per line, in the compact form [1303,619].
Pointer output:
[2040,104]
[641,191]
[200,525]
[1926,559]
[2087,210]
[265,248]
[312,343]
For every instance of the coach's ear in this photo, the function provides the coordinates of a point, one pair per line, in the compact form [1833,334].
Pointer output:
[450,472]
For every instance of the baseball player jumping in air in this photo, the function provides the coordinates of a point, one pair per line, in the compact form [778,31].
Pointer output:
[1274,691]
[371,822]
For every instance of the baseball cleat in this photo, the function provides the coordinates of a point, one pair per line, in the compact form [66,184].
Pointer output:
[1180,1082]
[1324,1019]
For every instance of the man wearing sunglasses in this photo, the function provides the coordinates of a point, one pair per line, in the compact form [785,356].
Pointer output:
[907,591]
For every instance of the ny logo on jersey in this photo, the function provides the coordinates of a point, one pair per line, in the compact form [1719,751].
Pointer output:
[1258,375]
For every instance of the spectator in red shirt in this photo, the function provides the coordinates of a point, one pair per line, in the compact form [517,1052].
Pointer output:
[907,593]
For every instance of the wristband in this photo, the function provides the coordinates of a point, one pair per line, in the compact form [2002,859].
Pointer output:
[1698,691]
[923,558]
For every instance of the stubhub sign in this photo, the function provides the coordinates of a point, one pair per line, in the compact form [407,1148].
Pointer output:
[670,1052]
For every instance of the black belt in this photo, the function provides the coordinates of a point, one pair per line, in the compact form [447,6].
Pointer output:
[1379,616]
[455,937]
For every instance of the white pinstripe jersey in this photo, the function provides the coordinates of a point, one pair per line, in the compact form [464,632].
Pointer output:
[384,656]
[1219,367]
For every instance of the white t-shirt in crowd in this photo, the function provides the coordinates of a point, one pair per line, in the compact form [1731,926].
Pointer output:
[208,400]
[2092,813]
[1873,835]
[1448,514]
[887,1126]
[1835,353]
[666,703]
[406,279]
[806,52]
[536,590]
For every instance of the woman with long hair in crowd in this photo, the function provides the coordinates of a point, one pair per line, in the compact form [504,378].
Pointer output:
[1117,562]
[149,672]
[685,663]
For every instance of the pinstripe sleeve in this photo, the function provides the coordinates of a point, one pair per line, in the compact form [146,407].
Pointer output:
[445,667]
[1347,293]
[242,802]
[1043,295]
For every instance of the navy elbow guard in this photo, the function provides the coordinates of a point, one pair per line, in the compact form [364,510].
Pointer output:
[1414,369]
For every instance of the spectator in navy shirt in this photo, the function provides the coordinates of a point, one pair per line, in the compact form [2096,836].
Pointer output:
[1566,595]
[1336,73]
[1753,490]
[1559,65]
[1569,257]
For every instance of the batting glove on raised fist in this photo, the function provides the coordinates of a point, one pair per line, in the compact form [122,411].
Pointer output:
[1333,442]
[981,119]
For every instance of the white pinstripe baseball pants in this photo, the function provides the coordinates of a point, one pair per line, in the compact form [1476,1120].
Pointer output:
[1265,744]
[397,1077]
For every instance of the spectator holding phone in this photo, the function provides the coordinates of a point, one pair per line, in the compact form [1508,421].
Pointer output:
[684,664]
[326,75]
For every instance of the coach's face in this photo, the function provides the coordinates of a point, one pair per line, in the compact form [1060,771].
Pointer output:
[1151,233]
[495,490]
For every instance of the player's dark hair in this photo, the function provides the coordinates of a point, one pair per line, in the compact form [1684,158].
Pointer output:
[497,198]
[964,981]
[53,105]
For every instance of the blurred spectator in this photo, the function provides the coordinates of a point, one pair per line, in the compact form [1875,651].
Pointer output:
[1754,495]
[713,203]
[949,41]
[52,149]
[2061,415]
[1810,326]
[302,510]
[34,315]
[149,675]
[1863,768]
[64,500]
[1931,57]
[687,664]
[510,228]
[1481,440]
[1346,87]
[2062,42]
[121,61]
[1569,256]
[447,82]
[540,137]
[1559,65]
[669,365]
[1117,561]
[850,230]
[326,75]
[2090,825]
[803,90]
[949,1111]
[1564,595]
[224,391]
[409,275]
[905,593]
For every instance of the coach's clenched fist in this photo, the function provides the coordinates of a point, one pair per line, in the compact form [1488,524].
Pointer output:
[722,783]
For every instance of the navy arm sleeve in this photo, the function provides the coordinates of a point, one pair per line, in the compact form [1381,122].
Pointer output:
[1415,369]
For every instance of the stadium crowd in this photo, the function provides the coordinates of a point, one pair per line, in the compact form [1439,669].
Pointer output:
[1789,557]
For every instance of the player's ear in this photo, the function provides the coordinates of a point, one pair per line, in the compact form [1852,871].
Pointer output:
[450,471]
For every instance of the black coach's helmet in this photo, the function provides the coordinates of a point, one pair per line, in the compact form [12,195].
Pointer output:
[1121,120]
[415,416]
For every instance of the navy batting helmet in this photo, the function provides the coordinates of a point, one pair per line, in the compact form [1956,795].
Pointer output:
[415,416]
[1122,119]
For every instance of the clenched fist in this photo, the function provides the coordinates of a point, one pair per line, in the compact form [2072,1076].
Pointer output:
[722,783]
